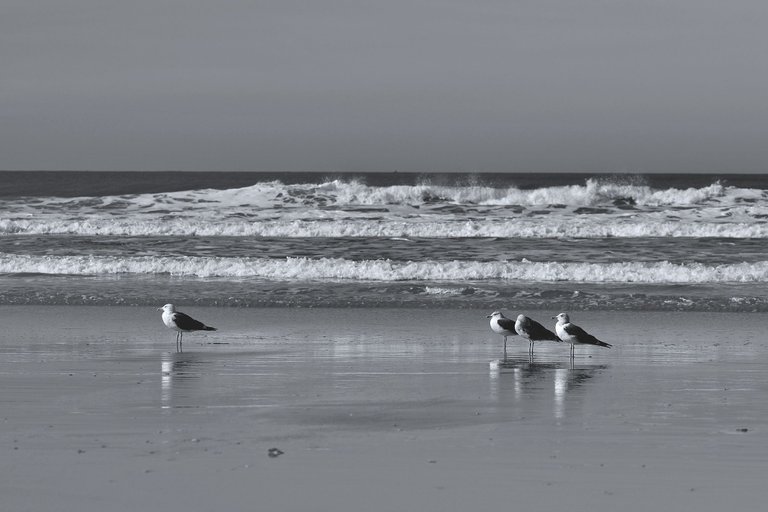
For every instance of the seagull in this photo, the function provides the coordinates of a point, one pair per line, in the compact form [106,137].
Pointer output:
[534,331]
[502,325]
[574,334]
[181,323]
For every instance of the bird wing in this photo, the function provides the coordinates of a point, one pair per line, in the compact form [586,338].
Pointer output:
[506,323]
[187,323]
[539,332]
[582,336]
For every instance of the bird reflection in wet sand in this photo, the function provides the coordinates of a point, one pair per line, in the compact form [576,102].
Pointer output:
[532,381]
[177,372]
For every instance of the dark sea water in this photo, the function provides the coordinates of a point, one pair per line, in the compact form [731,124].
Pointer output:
[497,241]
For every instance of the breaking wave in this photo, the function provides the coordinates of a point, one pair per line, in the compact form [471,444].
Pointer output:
[352,209]
[338,269]
[414,228]
[347,193]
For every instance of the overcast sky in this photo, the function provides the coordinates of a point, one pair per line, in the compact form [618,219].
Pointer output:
[419,85]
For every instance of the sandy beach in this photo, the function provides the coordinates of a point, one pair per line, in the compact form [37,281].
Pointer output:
[378,410]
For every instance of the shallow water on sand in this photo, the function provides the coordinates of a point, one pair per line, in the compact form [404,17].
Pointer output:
[380,368]
[677,389]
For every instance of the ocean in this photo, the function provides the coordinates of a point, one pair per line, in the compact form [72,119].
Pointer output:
[425,240]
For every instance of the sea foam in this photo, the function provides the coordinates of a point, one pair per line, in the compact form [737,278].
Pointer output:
[339,269]
[351,209]
[421,227]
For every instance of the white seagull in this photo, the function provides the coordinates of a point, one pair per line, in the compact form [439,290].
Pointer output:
[533,331]
[574,334]
[502,325]
[181,323]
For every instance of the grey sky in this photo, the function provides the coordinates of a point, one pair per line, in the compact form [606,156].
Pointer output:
[425,85]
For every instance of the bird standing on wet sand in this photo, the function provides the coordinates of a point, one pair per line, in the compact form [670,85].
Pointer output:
[533,331]
[181,323]
[503,326]
[574,334]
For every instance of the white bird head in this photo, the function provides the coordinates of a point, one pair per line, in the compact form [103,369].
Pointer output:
[562,318]
[168,308]
[520,317]
[495,314]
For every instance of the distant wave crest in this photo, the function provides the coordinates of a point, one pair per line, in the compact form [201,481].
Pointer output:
[352,192]
[341,192]
[338,208]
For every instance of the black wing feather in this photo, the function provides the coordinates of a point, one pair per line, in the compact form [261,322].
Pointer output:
[506,323]
[583,336]
[538,332]
[187,323]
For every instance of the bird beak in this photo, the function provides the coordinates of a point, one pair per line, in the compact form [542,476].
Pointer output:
[554,318]
[488,316]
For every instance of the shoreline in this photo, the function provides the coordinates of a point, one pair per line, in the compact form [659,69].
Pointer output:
[40,290]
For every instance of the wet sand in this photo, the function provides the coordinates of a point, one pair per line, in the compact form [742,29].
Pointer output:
[378,410]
